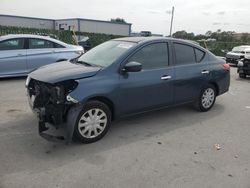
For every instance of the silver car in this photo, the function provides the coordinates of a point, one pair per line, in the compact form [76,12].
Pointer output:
[21,53]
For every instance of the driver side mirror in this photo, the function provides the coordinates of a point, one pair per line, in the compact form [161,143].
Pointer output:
[132,67]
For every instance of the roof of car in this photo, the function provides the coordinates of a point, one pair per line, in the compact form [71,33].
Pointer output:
[11,36]
[139,39]
[146,39]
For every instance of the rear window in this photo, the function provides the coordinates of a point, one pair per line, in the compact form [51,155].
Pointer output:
[58,46]
[199,55]
[40,43]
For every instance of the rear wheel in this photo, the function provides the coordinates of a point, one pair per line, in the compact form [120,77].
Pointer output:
[242,75]
[206,99]
[93,122]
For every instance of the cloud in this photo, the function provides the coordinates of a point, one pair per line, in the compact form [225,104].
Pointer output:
[217,23]
[206,13]
[243,24]
[221,23]
[221,12]
[153,11]
[168,11]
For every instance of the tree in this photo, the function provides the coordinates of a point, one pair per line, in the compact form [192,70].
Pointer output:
[208,33]
[118,20]
[184,35]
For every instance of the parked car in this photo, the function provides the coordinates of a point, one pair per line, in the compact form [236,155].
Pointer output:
[20,54]
[123,77]
[85,43]
[244,67]
[145,33]
[237,54]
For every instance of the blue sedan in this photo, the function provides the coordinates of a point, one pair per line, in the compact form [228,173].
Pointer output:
[20,54]
[124,77]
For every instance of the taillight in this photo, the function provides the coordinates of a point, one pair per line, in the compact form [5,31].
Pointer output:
[226,66]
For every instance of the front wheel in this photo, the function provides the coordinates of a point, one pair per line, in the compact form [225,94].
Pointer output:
[93,122]
[206,99]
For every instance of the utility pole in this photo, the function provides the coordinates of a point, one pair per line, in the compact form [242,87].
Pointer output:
[171,25]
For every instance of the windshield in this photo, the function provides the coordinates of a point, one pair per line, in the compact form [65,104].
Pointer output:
[240,49]
[106,53]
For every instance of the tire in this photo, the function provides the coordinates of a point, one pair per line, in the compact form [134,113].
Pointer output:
[242,75]
[93,122]
[206,98]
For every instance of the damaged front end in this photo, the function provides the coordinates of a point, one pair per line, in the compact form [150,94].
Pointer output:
[51,103]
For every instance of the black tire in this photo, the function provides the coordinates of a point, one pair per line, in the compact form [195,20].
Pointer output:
[91,105]
[242,75]
[198,104]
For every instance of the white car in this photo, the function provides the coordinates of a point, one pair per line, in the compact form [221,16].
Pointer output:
[20,54]
[237,54]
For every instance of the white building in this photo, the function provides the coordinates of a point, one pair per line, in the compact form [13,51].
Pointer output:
[78,24]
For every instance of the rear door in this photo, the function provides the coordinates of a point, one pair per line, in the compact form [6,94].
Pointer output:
[191,72]
[40,52]
[150,88]
[13,57]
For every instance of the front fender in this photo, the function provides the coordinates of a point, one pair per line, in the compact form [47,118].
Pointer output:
[96,87]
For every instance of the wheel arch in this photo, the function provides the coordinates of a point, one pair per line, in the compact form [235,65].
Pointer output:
[216,87]
[106,101]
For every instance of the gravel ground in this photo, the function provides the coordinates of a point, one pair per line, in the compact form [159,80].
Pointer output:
[168,148]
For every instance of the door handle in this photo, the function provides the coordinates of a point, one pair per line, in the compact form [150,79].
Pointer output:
[205,72]
[166,77]
[19,54]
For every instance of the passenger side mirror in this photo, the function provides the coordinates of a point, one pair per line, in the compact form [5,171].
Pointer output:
[132,67]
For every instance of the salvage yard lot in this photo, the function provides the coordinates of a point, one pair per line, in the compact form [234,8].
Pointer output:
[168,148]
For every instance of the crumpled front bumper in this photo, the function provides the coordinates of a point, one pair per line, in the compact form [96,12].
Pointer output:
[49,131]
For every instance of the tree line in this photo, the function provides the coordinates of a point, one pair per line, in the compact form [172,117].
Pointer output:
[219,42]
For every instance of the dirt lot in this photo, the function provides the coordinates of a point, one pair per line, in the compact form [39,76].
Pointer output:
[168,148]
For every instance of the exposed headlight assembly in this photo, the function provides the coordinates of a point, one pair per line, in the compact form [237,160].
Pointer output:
[71,99]
[27,81]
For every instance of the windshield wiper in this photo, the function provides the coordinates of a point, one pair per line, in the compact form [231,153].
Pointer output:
[85,63]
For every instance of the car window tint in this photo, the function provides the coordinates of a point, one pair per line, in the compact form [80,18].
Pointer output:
[199,55]
[184,54]
[12,44]
[39,43]
[58,46]
[152,56]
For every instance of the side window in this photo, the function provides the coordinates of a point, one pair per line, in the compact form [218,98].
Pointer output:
[184,54]
[199,55]
[152,56]
[58,45]
[40,43]
[12,44]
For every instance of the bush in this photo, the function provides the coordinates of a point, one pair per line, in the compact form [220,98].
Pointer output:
[63,35]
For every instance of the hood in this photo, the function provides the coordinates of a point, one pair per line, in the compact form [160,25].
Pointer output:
[62,71]
[234,55]
[79,48]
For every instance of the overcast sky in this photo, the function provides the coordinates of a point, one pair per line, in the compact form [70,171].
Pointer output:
[196,16]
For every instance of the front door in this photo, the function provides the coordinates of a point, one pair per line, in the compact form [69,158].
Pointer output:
[13,57]
[150,88]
